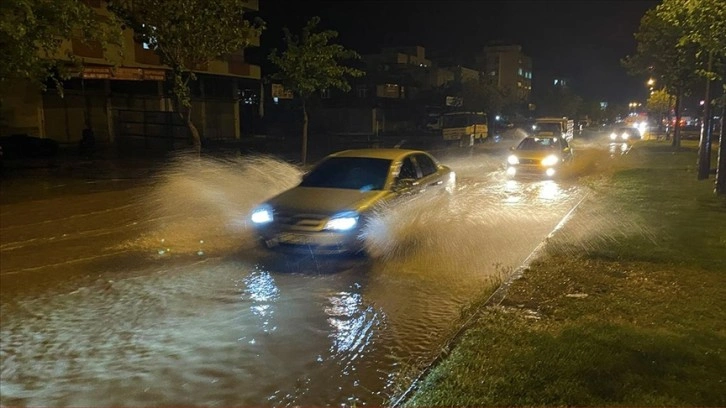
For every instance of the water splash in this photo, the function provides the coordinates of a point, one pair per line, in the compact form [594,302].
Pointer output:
[200,205]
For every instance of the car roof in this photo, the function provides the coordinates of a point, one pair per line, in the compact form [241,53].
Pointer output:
[376,153]
[543,136]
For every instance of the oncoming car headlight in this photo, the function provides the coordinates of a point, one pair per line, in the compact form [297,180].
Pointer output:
[262,215]
[625,135]
[613,136]
[343,221]
[550,160]
[512,160]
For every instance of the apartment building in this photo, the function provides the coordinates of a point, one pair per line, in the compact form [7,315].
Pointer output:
[508,67]
[125,96]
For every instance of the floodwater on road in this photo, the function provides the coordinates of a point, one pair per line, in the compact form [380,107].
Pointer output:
[152,291]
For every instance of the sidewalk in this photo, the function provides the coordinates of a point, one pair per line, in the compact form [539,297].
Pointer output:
[624,307]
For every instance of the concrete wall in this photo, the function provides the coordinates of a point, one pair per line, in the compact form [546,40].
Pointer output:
[21,111]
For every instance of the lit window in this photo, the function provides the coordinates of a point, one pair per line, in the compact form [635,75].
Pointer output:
[521,72]
[150,41]
[325,93]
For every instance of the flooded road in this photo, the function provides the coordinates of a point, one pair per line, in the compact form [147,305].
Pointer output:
[151,291]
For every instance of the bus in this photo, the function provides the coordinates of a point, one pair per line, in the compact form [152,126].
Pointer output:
[464,128]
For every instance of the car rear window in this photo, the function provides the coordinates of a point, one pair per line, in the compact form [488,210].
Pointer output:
[358,173]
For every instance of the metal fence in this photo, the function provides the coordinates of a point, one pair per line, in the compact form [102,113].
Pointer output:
[154,130]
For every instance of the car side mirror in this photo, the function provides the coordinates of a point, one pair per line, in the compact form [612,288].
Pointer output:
[403,185]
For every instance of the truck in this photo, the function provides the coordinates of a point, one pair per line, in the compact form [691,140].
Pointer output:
[549,126]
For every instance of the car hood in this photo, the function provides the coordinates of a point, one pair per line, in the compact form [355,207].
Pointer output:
[535,154]
[328,201]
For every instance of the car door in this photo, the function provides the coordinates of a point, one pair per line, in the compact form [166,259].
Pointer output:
[430,179]
[407,180]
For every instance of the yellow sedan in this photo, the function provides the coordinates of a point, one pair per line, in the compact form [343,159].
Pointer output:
[327,212]
[539,155]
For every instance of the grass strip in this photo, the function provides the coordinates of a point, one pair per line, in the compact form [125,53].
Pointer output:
[624,308]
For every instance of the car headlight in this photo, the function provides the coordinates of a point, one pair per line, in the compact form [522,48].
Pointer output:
[513,160]
[625,135]
[550,160]
[613,136]
[262,215]
[343,221]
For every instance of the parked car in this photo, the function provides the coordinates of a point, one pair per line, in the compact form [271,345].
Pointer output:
[24,146]
[328,211]
[625,134]
[539,155]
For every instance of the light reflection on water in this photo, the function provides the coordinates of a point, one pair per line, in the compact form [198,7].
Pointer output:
[236,326]
[617,149]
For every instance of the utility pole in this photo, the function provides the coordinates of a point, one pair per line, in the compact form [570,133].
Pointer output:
[704,147]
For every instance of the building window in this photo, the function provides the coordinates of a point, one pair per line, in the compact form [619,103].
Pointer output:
[362,91]
[150,41]
[392,90]
[325,93]
[520,72]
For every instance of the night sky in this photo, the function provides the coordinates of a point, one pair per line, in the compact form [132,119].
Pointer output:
[583,41]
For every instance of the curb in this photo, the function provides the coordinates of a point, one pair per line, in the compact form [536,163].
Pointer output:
[494,299]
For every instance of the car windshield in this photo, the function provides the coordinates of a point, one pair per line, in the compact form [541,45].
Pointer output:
[356,173]
[547,127]
[536,143]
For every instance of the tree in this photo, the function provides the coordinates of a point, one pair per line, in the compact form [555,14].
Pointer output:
[32,33]
[310,64]
[187,35]
[591,110]
[660,103]
[703,22]
[483,96]
[661,54]
[557,101]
